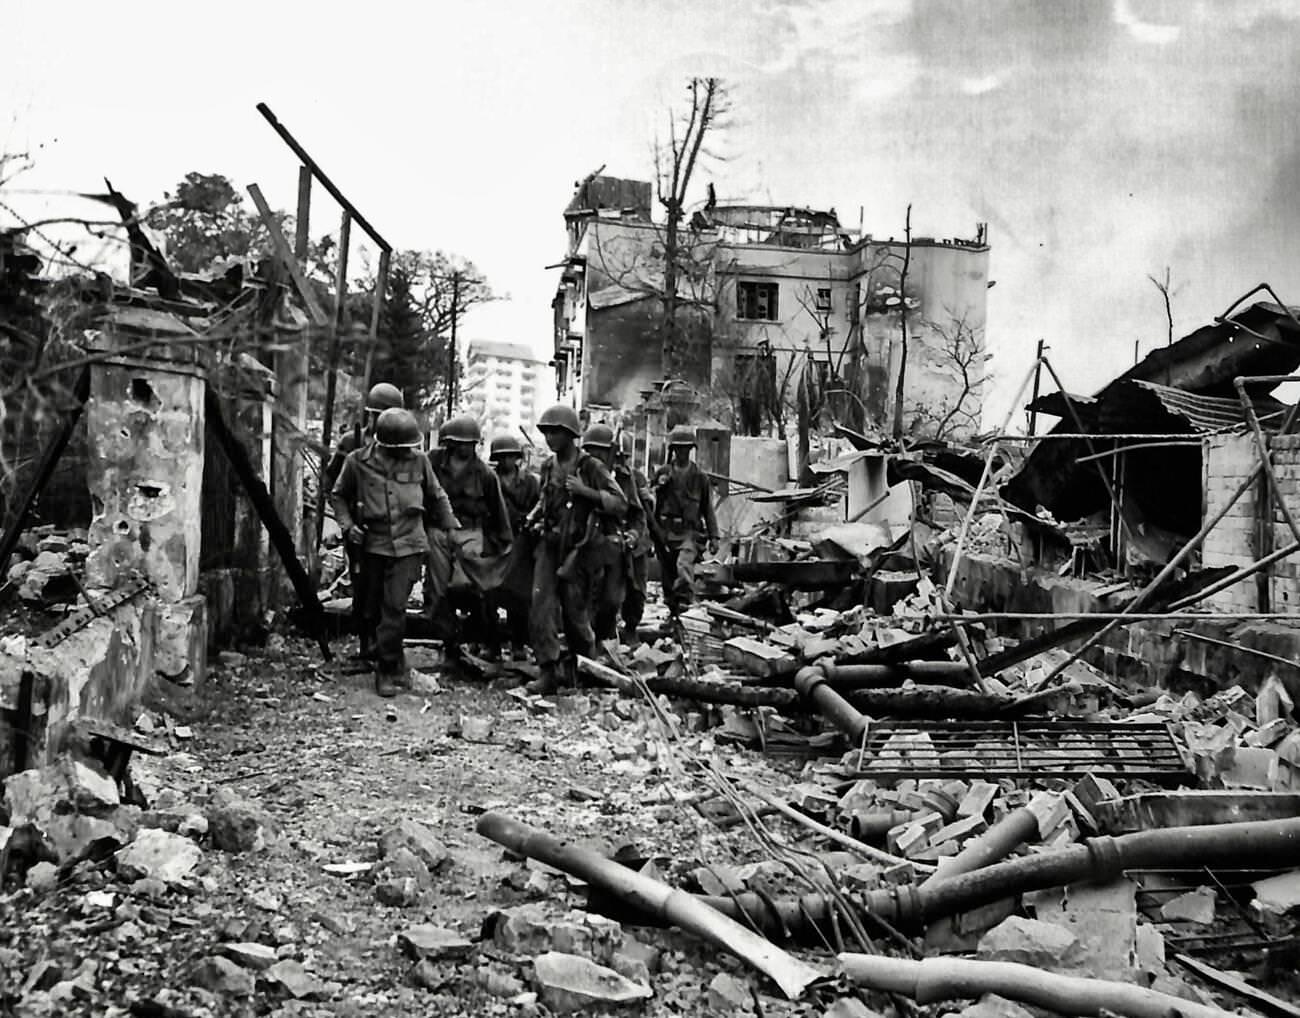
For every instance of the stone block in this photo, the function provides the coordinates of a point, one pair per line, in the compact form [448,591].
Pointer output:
[978,800]
[959,831]
[1029,942]
[758,658]
[568,983]
[1193,907]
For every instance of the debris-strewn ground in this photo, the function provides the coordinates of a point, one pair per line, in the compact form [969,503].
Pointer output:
[327,771]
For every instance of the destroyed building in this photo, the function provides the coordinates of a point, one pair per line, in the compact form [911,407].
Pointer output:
[764,290]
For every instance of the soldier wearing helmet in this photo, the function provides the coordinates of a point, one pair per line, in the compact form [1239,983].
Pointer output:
[520,488]
[618,541]
[388,502]
[575,488]
[636,536]
[683,517]
[480,548]
[382,396]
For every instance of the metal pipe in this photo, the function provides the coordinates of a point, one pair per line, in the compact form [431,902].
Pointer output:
[811,684]
[874,675]
[994,845]
[931,980]
[1263,843]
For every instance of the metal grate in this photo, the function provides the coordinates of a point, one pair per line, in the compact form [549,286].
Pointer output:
[1064,748]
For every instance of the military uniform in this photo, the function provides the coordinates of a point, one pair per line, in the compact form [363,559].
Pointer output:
[566,562]
[514,596]
[398,501]
[684,517]
[478,550]
[621,589]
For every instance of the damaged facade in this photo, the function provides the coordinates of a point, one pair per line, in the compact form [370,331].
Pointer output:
[766,290]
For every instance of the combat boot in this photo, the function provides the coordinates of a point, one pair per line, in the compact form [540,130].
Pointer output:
[545,684]
[384,685]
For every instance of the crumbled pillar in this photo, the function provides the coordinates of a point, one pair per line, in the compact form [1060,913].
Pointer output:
[145,421]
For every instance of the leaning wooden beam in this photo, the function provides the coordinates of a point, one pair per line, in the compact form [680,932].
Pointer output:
[45,470]
[275,528]
[649,895]
[286,257]
[936,979]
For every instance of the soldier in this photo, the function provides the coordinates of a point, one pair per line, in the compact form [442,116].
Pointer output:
[388,502]
[520,488]
[382,396]
[575,487]
[683,516]
[481,545]
[609,572]
[637,542]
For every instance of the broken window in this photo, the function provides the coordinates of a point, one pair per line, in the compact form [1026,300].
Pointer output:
[757,301]
[824,299]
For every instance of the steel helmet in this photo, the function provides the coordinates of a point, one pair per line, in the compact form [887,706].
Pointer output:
[384,396]
[562,417]
[681,435]
[598,436]
[460,429]
[506,445]
[397,429]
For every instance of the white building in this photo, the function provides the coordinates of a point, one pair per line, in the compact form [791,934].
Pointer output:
[505,386]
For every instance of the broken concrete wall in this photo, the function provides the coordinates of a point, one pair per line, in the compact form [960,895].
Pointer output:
[1155,653]
[145,477]
[758,461]
[1236,541]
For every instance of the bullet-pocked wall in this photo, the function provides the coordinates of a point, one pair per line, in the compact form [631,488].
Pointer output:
[145,477]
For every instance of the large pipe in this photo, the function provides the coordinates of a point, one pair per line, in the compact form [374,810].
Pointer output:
[1262,843]
[811,684]
[995,844]
[937,979]
[646,894]
[951,673]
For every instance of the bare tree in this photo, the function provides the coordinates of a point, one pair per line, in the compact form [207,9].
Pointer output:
[902,327]
[675,165]
[960,355]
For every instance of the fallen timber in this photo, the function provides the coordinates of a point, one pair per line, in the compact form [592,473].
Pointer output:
[937,979]
[645,894]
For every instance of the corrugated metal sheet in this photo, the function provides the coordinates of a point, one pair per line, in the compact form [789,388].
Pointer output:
[1203,413]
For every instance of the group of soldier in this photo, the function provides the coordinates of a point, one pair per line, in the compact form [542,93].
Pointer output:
[561,554]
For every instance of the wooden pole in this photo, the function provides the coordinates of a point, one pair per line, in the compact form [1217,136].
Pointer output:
[319,174]
[650,896]
[451,352]
[280,536]
[984,479]
[332,367]
[1038,373]
[376,309]
[286,257]
[45,469]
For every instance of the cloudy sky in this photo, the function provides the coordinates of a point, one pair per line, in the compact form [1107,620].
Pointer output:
[1102,140]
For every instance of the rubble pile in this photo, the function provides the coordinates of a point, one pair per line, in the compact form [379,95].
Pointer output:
[44,565]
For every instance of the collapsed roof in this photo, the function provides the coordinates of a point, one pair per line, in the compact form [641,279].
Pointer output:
[1185,388]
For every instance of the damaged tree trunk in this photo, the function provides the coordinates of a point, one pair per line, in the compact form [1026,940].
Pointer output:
[648,895]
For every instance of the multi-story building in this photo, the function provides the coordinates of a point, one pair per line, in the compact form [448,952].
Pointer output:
[505,387]
[769,297]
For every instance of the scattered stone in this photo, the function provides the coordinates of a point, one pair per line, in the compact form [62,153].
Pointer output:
[289,977]
[257,957]
[1277,898]
[568,983]
[1029,942]
[992,1006]
[426,975]
[526,930]
[849,1007]
[43,877]
[237,825]
[231,658]
[419,840]
[401,878]
[160,855]
[97,900]
[266,901]
[434,942]
[728,993]
[1193,907]
[149,887]
[223,976]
